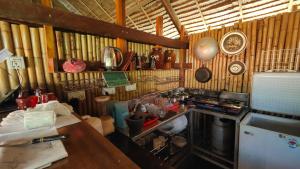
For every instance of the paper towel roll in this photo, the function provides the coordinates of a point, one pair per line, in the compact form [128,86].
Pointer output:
[38,119]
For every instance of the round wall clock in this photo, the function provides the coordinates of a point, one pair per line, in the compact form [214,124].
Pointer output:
[233,43]
[237,68]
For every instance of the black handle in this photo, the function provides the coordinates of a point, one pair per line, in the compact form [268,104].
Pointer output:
[49,138]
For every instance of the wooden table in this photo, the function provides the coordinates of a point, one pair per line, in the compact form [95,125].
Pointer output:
[88,149]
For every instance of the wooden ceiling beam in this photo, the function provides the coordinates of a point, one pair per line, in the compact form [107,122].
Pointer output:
[201,14]
[241,9]
[172,14]
[121,20]
[16,11]
[145,13]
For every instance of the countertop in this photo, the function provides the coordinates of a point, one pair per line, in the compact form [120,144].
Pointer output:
[88,149]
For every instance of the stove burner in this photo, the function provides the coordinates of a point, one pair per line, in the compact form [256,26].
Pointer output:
[230,104]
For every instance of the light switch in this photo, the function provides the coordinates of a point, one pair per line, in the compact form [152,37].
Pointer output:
[16,62]
[131,87]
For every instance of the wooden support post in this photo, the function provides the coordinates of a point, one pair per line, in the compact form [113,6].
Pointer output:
[49,40]
[121,20]
[159,27]
[182,59]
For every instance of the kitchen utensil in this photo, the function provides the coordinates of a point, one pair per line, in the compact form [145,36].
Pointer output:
[74,66]
[203,74]
[113,57]
[23,142]
[237,68]
[233,43]
[206,48]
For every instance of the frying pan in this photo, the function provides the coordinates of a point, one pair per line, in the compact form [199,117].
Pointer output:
[203,74]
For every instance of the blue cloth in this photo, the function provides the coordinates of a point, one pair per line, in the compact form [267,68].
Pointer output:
[119,113]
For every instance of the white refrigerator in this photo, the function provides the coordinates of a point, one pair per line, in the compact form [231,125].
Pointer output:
[272,140]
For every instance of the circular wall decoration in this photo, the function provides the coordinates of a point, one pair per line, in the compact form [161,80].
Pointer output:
[237,68]
[233,43]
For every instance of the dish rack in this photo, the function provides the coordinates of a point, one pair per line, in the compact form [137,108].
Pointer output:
[282,60]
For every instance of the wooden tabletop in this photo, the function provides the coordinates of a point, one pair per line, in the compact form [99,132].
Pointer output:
[88,149]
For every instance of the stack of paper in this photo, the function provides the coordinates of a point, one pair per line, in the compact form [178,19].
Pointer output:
[34,155]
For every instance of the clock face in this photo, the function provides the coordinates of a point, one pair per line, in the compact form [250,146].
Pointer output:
[233,43]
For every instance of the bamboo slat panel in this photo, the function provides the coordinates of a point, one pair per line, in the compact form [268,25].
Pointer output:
[264,37]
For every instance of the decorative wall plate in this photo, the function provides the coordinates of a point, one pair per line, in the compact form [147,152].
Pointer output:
[233,43]
[237,68]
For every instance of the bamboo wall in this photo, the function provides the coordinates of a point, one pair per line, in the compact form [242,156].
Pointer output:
[28,41]
[265,38]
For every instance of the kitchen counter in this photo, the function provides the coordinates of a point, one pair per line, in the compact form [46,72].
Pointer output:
[88,149]
[171,115]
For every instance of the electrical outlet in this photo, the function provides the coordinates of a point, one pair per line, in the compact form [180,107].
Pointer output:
[131,87]
[110,90]
[16,62]
[76,95]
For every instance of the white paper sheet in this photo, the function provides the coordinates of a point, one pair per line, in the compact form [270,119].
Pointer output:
[31,156]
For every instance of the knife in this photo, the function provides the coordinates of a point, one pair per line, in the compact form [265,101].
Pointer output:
[22,142]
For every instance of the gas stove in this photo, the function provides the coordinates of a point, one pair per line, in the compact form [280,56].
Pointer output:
[223,102]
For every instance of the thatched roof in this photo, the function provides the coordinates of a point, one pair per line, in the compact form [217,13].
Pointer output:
[195,15]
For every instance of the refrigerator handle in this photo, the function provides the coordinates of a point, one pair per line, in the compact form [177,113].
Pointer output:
[248,133]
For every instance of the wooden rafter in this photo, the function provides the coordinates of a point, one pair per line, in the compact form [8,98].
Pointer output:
[69,6]
[241,9]
[145,13]
[201,14]
[92,12]
[104,11]
[170,11]
[135,25]
[16,11]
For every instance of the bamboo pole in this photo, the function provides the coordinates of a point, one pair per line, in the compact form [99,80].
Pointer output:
[67,55]
[25,35]
[259,45]
[20,52]
[264,44]
[269,43]
[247,59]
[288,39]
[48,76]
[239,86]
[252,55]
[8,44]
[62,77]
[79,56]
[294,42]
[38,61]
[74,55]
[283,30]
[4,85]
[224,64]
[275,41]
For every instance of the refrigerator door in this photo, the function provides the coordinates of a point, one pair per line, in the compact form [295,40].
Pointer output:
[276,92]
[268,142]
